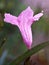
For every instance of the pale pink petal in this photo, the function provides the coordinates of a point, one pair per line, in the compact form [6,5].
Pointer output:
[26,34]
[28,12]
[10,19]
[37,16]
[26,15]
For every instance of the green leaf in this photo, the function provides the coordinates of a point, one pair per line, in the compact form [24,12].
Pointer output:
[27,54]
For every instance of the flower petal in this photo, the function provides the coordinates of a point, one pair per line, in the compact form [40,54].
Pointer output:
[26,34]
[37,16]
[10,19]
[27,14]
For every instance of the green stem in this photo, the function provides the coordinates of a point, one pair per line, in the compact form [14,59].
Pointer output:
[34,50]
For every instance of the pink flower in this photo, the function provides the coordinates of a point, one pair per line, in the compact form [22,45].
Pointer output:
[24,22]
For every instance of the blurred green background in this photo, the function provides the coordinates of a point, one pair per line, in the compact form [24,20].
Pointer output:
[11,34]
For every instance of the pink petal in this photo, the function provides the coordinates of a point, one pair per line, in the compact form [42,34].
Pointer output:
[37,16]
[10,19]
[26,34]
[27,14]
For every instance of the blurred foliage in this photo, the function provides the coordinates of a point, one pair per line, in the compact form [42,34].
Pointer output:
[27,54]
[43,24]
[9,32]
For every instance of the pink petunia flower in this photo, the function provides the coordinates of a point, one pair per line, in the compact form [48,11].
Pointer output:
[24,22]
